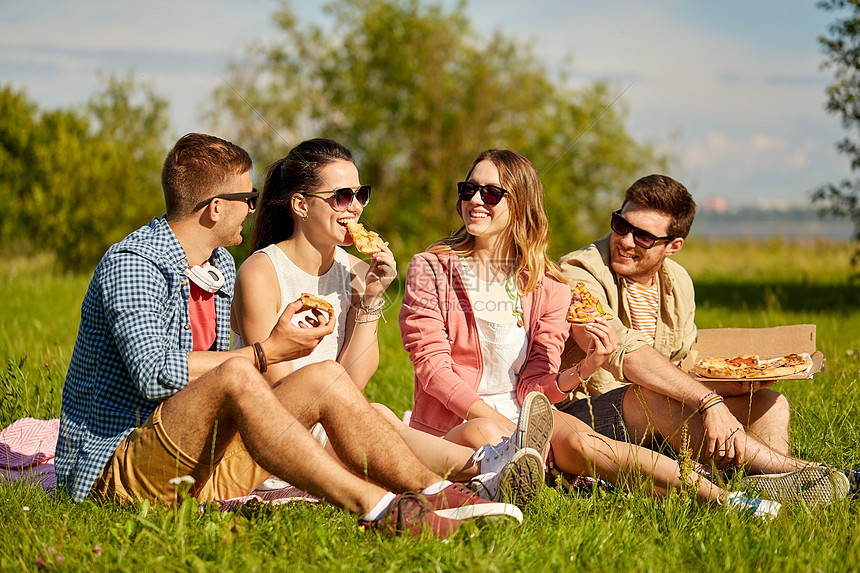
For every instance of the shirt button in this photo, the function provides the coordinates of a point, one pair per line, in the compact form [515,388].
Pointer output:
[184,262]
[184,282]
[187,327]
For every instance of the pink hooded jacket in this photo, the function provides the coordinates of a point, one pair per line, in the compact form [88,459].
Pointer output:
[440,333]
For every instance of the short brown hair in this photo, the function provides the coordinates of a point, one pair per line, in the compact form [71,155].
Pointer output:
[667,196]
[197,168]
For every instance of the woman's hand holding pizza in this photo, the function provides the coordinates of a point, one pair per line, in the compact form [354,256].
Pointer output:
[380,275]
[603,342]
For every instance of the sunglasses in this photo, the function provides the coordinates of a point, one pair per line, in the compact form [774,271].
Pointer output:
[490,194]
[250,199]
[343,197]
[621,226]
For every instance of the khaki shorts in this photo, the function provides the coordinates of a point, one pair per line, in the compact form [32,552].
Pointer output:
[146,461]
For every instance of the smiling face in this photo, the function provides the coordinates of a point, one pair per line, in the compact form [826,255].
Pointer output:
[325,223]
[489,224]
[632,261]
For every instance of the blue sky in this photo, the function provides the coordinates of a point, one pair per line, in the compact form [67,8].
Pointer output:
[732,90]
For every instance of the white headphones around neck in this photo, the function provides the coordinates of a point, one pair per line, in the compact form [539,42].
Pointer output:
[205,276]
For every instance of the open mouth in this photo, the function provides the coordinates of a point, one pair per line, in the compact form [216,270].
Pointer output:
[342,222]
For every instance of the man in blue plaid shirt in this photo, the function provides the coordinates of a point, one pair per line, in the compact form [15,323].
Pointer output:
[153,393]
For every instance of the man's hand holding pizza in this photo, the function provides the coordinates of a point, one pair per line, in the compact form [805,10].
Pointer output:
[289,341]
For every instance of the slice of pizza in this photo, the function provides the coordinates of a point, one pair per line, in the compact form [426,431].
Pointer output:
[313,301]
[367,242]
[782,366]
[732,368]
[584,306]
[750,366]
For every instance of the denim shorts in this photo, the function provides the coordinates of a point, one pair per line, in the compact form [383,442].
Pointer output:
[606,411]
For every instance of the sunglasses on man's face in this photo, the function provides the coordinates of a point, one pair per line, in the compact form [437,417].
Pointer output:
[490,194]
[343,196]
[250,199]
[621,226]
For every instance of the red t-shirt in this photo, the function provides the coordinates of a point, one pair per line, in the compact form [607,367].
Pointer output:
[201,313]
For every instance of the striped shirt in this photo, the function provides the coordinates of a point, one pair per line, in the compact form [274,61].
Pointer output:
[132,348]
[644,303]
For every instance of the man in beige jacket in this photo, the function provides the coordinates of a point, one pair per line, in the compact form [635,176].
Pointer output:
[640,394]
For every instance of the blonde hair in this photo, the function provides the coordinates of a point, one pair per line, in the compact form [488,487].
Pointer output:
[529,229]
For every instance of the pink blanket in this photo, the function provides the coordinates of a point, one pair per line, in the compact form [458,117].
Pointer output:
[27,449]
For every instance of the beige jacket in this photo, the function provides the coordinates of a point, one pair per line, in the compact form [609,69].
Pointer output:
[676,327]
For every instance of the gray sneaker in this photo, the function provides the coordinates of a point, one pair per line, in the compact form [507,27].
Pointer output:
[813,486]
[518,482]
[535,426]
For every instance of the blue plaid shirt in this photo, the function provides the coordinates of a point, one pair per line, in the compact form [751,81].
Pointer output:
[132,347]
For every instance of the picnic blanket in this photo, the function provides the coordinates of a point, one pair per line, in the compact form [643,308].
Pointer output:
[28,445]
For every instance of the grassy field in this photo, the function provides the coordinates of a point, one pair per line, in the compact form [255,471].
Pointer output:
[738,284]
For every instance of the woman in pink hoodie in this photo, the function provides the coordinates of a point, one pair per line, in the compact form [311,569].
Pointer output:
[484,322]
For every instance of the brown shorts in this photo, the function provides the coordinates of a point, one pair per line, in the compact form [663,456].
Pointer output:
[146,461]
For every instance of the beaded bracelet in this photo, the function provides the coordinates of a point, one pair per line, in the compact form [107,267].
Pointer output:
[261,357]
[373,310]
[373,319]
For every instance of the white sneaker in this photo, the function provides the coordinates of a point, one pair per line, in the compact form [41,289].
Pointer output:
[519,481]
[753,507]
[534,430]
[494,458]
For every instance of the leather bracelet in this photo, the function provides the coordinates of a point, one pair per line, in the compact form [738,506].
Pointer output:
[705,397]
[261,357]
[710,404]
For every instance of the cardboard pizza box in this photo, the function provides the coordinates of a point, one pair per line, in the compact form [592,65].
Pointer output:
[766,342]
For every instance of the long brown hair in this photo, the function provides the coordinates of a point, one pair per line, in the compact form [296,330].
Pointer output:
[298,172]
[529,229]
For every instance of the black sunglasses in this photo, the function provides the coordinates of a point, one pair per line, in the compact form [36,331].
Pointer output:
[250,199]
[621,226]
[343,196]
[490,194]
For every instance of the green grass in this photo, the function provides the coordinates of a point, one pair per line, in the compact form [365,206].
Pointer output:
[752,285]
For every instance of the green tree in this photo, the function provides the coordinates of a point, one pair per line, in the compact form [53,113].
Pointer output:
[416,92]
[77,180]
[842,50]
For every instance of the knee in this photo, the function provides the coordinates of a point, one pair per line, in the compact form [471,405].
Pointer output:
[772,404]
[385,412]
[239,375]
[326,374]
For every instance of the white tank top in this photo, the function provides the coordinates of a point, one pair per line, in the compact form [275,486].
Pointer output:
[333,285]
[503,341]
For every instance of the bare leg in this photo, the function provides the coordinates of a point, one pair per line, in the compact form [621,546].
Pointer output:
[479,431]
[235,398]
[648,415]
[580,450]
[767,415]
[440,455]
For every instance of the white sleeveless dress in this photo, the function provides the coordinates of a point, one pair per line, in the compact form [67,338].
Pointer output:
[334,286]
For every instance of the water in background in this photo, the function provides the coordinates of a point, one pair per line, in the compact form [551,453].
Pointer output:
[796,225]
